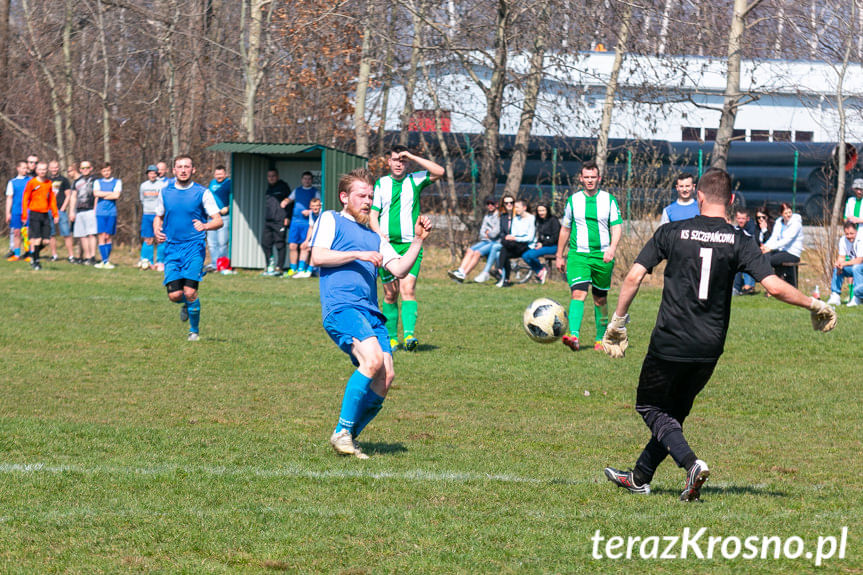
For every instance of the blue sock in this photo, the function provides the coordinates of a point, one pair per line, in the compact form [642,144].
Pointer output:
[352,401]
[194,314]
[301,266]
[372,404]
[149,253]
[144,247]
[103,251]
[293,267]
[18,252]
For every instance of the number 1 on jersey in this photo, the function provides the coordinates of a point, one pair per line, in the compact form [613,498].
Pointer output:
[706,255]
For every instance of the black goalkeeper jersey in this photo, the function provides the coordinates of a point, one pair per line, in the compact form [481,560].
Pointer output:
[703,255]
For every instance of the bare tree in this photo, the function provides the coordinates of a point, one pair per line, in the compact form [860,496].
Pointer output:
[361,128]
[611,88]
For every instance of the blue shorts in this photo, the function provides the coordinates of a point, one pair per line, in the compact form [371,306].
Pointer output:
[347,323]
[65,226]
[106,225]
[147,225]
[184,261]
[15,221]
[298,231]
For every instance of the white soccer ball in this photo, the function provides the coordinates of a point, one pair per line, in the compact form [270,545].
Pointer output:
[545,320]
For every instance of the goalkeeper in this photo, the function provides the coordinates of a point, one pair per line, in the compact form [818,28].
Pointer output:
[703,254]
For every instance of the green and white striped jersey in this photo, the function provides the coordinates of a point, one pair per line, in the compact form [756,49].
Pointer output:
[590,218]
[398,204]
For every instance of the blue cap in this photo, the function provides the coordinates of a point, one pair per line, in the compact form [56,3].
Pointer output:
[152,168]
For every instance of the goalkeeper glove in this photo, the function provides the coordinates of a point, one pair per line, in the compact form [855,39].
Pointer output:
[823,316]
[615,340]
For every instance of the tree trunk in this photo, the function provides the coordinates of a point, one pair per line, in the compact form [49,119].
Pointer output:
[836,214]
[253,64]
[68,71]
[663,27]
[411,80]
[4,56]
[528,110]
[361,129]
[494,103]
[611,89]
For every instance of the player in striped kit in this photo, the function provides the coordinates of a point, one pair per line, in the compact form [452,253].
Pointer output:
[591,229]
[395,211]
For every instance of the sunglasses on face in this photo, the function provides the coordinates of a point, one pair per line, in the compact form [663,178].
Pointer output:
[508,203]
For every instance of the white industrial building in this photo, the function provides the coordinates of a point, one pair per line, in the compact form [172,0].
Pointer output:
[668,98]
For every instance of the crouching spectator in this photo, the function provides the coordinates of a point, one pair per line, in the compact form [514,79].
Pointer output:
[547,233]
[849,264]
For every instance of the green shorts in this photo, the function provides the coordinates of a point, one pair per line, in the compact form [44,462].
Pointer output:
[402,248]
[588,268]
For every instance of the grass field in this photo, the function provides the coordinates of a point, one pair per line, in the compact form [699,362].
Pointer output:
[126,448]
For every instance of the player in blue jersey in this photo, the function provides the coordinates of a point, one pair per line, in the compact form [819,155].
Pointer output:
[14,201]
[107,191]
[685,206]
[185,212]
[300,199]
[148,193]
[349,254]
[217,240]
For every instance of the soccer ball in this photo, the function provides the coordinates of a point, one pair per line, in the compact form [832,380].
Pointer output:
[545,320]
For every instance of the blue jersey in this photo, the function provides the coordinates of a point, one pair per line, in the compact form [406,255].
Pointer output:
[352,284]
[676,212]
[180,207]
[221,192]
[15,188]
[301,198]
[107,207]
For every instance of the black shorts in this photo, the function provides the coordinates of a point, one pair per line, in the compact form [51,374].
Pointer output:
[39,225]
[671,386]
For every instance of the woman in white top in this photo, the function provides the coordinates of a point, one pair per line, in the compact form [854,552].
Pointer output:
[785,244]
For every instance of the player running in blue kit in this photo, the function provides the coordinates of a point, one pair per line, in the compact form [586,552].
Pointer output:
[301,199]
[182,223]
[349,254]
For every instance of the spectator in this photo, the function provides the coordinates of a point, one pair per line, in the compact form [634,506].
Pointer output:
[785,245]
[764,225]
[854,205]
[547,234]
[72,174]
[849,264]
[489,233]
[744,284]
[32,161]
[221,188]
[64,204]
[507,204]
[301,198]
[14,199]
[522,234]
[38,207]
[275,220]
[305,247]
[685,206]
[148,192]
[85,213]
[107,191]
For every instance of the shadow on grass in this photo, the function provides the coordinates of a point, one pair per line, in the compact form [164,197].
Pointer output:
[709,490]
[383,448]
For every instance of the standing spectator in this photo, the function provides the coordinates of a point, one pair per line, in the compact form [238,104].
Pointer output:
[275,220]
[848,264]
[590,230]
[744,284]
[148,193]
[685,206]
[854,205]
[764,225]
[395,212]
[85,213]
[217,240]
[785,244]
[65,203]
[162,171]
[107,190]
[72,174]
[38,207]
[305,247]
[489,233]
[14,200]
[517,241]
[184,213]
[300,199]
[32,162]
[547,235]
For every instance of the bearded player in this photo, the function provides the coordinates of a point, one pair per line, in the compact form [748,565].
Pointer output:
[703,254]
[349,254]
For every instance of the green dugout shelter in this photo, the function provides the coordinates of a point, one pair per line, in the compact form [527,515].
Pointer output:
[248,167]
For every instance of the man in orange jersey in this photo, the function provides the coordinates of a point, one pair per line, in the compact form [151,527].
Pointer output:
[39,200]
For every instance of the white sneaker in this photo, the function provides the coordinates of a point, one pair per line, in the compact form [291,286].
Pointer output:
[108,266]
[99,266]
[143,264]
[303,274]
[358,453]
[854,302]
[457,275]
[481,278]
[193,336]
[834,299]
[342,442]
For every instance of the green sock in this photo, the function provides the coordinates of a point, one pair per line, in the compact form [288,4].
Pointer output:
[409,316]
[600,314]
[576,312]
[391,312]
